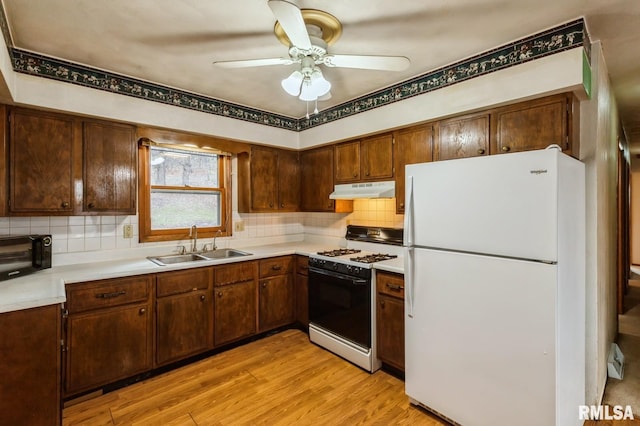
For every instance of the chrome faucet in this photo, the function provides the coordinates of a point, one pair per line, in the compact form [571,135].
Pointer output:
[219,232]
[194,238]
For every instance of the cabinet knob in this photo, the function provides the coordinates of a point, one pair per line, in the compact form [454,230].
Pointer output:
[402,205]
[506,149]
[282,205]
[382,303]
[330,204]
[202,298]
[367,173]
[271,205]
[65,205]
[276,267]
[142,311]
[264,284]
[91,205]
[219,294]
[481,151]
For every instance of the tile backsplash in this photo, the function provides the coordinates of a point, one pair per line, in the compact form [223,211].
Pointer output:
[72,234]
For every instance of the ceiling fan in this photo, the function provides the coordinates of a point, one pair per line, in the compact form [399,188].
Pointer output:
[308,33]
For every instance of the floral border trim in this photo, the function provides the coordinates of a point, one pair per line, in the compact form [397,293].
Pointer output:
[564,37]
[567,36]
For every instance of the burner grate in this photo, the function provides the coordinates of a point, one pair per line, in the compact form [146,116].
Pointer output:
[338,252]
[371,258]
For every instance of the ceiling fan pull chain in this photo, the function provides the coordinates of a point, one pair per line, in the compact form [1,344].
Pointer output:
[315,111]
[307,110]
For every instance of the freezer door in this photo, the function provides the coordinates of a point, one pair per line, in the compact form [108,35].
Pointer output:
[480,338]
[501,204]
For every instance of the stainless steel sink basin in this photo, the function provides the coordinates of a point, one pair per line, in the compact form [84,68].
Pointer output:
[175,258]
[224,253]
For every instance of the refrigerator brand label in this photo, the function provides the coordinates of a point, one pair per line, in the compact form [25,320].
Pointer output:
[538,172]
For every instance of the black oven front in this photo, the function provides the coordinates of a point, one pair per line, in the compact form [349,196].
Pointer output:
[340,300]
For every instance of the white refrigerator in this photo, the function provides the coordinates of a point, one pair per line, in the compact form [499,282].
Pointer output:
[495,288]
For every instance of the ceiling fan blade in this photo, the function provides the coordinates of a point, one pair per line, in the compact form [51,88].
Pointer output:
[292,23]
[387,63]
[253,63]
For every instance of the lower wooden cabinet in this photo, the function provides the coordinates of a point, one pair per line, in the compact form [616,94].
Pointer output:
[302,290]
[109,332]
[30,367]
[235,306]
[276,293]
[184,314]
[390,318]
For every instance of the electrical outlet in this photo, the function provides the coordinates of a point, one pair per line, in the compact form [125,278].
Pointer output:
[127,231]
[238,226]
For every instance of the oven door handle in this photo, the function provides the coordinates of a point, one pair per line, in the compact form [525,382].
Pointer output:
[353,280]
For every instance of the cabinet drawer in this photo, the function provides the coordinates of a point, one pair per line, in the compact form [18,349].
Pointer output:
[102,294]
[302,265]
[178,282]
[235,273]
[390,284]
[276,266]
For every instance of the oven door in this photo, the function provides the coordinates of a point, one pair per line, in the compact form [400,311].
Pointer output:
[341,305]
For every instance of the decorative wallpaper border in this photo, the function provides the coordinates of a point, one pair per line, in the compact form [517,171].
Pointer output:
[567,36]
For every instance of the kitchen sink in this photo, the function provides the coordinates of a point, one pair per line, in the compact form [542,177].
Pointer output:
[224,253]
[176,258]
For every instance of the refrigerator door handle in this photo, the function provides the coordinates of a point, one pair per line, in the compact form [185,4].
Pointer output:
[408,278]
[408,217]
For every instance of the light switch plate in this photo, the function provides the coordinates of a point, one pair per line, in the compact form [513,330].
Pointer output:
[127,231]
[238,225]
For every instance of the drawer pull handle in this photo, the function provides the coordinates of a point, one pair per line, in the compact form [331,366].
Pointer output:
[110,295]
[394,287]
[276,267]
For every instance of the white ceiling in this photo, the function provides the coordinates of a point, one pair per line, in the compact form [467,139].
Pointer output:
[174,42]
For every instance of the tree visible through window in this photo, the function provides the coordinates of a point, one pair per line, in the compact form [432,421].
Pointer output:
[184,187]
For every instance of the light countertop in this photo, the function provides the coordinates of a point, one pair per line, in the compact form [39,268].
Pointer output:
[47,287]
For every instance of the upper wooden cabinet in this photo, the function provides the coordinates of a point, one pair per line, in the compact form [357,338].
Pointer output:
[412,145]
[533,125]
[316,179]
[366,159]
[42,150]
[460,137]
[52,156]
[269,180]
[109,168]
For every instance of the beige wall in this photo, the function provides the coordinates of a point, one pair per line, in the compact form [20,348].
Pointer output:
[598,138]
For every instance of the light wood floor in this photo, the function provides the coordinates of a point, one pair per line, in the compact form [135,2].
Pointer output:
[279,380]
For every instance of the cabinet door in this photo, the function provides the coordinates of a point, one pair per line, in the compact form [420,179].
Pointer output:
[41,165]
[377,157]
[412,145]
[531,125]
[288,181]
[316,178]
[109,168]
[390,330]
[276,302]
[460,137]
[264,175]
[347,162]
[30,366]
[302,290]
[108,345]
[183,325]
[234,312]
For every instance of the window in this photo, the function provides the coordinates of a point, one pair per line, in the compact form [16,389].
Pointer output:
[180,187]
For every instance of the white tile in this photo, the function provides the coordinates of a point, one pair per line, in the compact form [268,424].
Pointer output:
[19,222]
[75,245]
[92,220]
[107,243]
[59,232]
[76,231]
[40,222]
[4,222]
[58,221]
[123,242]
[91,244]
[59,245]
[43,230]
[76,220]
[107,220]
[19,230]
[108,230]
[92,231]
[4,230]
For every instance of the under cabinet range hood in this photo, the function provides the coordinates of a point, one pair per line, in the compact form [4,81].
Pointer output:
[353,191]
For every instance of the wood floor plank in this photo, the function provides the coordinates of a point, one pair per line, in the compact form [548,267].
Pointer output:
[282,379]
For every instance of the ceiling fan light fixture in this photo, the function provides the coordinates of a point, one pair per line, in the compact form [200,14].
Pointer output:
[313,86]
[292,84]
